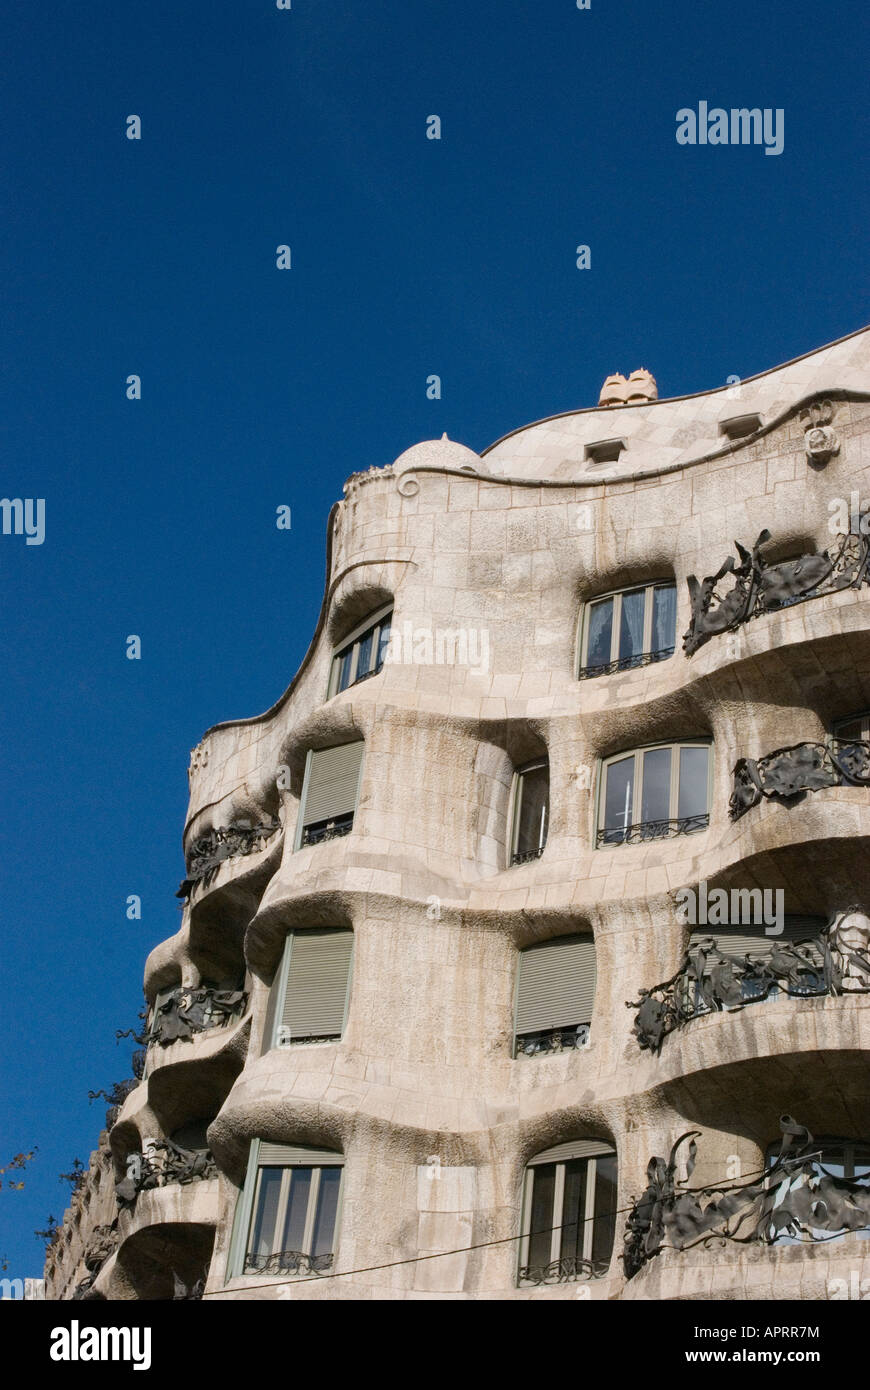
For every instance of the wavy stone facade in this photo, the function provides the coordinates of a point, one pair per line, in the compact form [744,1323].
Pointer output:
[434,1116]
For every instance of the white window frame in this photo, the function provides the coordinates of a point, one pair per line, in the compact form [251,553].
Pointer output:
[246,1206]
[516,807]
[558,1208]
[371,624]
[637,783]
[616,596]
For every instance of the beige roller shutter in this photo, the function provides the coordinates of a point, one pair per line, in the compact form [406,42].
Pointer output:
[575,1148]
[318,976]
[741,940]
[286,1154]
[333,782]
[556,986]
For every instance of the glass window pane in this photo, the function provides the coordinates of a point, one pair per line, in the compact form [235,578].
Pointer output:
[297,1209]
[263,1230]
[533,809]
[600,633]
[656,791]
[604,1224]
[543,1195]
[383,641]
[631,624]
[852,728]
[618,793]
[327,1208]
[694,772]
[365,654]
[345,661]
[664,623]
[574,1209]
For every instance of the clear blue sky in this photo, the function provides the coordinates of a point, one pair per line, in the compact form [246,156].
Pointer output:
[262,387]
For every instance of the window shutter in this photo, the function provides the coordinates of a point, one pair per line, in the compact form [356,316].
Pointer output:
[333,782]
[300,1154]
[575,1148]
[741,940]
[315,995]
[556,984]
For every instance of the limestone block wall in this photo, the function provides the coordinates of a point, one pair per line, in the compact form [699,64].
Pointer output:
[487,560]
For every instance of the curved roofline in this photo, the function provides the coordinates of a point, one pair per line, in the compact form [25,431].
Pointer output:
[667,400]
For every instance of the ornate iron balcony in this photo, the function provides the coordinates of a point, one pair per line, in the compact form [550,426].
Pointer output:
[625,663]
[526,856]
[327,830]
[565,1271]
[644,831]
[805,767]
[165,1163]
[288,1262]
[554,1040]
[761,588]
[836,961]
[186,1012]
[795,1196]
[226,842]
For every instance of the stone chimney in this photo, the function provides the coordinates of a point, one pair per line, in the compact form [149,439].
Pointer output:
[640,387]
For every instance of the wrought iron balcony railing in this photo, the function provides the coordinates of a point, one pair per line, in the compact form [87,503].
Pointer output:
[186,1012]
[209,851]
[527,856]
[164,1163]
[625,663]
[553,1040]
[288,1262]
[327,830]
[644,831]
[805,767]
[799,1197]
[567,1270]
[833,962]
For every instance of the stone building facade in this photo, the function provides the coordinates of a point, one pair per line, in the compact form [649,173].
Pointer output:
[553,732]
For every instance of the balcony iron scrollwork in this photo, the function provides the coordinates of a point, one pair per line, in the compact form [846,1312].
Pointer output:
[102,1245]
[186,1012]
[565,1271]
[835,962]
[163,1164]
[554,1040]
[209,851]
[526,856]
[288,1262]
[625,663]
[795,1196]
[644,831]
[805,767]
[761,588]
[331,830]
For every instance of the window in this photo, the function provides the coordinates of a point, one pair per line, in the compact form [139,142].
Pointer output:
[555,995]
[854,730]
[633,627]
[287,1216]
[654,793]
[531,811]
[329,793]
[362,654]
[308,1000]
[569,1213]
[740,940]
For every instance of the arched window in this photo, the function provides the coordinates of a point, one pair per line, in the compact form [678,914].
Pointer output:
[628,628]
[287,1217]
[362,653]
[569,1213]
[530,818]
[654,793]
